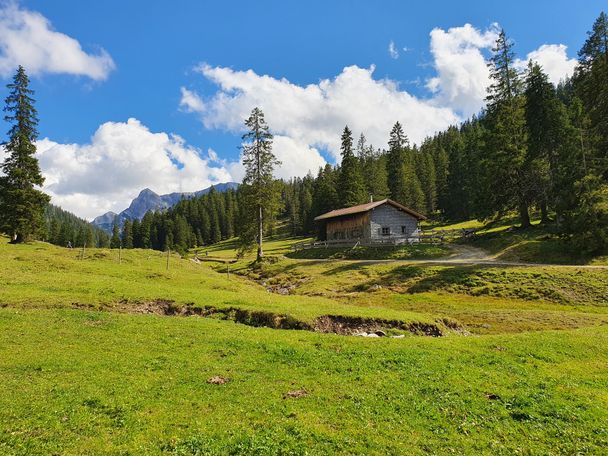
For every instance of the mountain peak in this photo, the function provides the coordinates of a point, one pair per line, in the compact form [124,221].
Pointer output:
[146,191]
[148,200]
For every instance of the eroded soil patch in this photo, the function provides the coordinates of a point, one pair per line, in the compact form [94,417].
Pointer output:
[338,324]
[330,324]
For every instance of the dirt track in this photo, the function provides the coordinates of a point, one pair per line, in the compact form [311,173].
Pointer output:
[468,255]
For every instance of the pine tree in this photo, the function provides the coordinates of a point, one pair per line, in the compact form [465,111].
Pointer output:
[127,234]
[21,204]
[591,86]
[425,170]
[547,126]
[413,196]
[351,189]
[145,231]
[395,164]
[259,189]
[137,234]
[506,143]
[115,240]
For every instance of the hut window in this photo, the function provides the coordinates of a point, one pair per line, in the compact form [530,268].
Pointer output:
[386,231]
[403,229]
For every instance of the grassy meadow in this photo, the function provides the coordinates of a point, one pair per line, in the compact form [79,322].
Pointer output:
[87,366]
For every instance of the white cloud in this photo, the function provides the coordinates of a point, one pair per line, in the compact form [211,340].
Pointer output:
[392,50]
[190,101]
[314,116]
[121,159]
[554,60]
[27,38]
[462,72]
[212,155]
[296,157]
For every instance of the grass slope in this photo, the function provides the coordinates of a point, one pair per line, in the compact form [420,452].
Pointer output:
[76,381]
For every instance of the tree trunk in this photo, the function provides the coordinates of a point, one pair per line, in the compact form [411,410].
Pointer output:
[544,216]
[260,233]
[524,216]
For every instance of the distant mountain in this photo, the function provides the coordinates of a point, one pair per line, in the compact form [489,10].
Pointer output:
[147,200]
[105,221]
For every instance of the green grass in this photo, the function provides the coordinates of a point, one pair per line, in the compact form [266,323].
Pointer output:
[506,241]
[74,382]
[42,275]
[405,252]
[531,379]
[228,249]
[483,298]
[534,245]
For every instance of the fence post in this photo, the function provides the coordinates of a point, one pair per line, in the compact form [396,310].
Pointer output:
[119,254]
[168,253]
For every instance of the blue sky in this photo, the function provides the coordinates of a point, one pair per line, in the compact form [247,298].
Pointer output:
[142,60]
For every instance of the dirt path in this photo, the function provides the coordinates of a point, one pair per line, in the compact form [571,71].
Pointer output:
[469,255]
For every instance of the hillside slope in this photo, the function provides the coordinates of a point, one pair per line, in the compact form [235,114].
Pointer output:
[96,357]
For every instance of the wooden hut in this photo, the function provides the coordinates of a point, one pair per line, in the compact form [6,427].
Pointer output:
[384,221]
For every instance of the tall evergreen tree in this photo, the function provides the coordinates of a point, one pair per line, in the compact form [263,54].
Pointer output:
[351,189]
[115,241]
[127,234]
[395,163]
[413,196]
[547,125]
[22,205]
[260,191]
[507,174]
[591,86]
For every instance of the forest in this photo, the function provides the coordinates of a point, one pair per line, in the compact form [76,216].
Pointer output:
[536,148]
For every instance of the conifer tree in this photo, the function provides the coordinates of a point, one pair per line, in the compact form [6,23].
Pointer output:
[145,231]
[259,189]
[591,86]
[508,176]
[351,188]
[325,194]
[395,163]
[413,196]
[127,234]
[548,129]
[137,234]
[22,205]
[115,241]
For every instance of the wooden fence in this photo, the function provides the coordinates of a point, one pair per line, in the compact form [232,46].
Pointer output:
[426,237]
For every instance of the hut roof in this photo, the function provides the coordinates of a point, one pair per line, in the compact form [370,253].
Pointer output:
[366,208]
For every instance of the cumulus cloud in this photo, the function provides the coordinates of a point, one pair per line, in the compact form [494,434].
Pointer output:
[554,60]
[313,116]
[190,101]
[462,73]
[121,159]
[297,158]
[392,50]
[27,38]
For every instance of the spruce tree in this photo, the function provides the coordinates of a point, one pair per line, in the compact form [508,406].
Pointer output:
[413,196]
[351,188]
[127,234]
[22,205]
[508,184]
[591,86]
[547,127]
[395,164]
[259,189]
[115,240]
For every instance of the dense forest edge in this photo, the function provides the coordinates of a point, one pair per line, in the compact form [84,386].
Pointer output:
[536,148]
